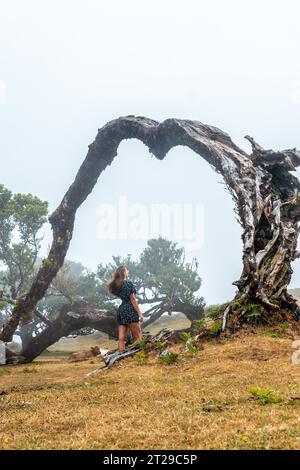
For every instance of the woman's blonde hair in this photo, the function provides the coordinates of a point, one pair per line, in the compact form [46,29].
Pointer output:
[116,280]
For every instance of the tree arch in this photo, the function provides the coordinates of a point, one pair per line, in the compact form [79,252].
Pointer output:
[264,191]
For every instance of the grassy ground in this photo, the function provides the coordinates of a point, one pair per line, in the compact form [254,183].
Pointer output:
[201,402]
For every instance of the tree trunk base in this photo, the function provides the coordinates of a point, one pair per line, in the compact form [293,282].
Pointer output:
[251,311]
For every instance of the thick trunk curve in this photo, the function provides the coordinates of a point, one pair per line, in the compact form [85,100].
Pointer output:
[261,184]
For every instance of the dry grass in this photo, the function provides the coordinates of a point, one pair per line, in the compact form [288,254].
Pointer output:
[202,402]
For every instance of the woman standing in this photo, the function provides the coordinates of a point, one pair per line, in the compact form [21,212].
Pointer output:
[129,314]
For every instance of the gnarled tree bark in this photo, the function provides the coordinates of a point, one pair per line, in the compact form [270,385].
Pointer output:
[265,192]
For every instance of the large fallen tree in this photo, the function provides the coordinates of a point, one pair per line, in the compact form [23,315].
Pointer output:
[262,186]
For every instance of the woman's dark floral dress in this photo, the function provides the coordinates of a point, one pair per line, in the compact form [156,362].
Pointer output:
[126,312]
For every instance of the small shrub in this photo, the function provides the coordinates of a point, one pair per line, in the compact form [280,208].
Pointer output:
[159,344]
[197,325]
[215,328]
[265,395]
[142,343]
[189,342]
[195,349]
[215,311]
[140,357]
[253,313]
[168,357]
[185,336]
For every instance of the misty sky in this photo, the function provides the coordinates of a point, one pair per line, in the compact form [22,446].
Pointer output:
[67,67]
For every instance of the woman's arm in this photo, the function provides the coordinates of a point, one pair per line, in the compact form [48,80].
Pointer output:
[136,306]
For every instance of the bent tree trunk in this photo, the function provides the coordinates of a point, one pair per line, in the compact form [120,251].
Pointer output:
[72,317]
[264,190]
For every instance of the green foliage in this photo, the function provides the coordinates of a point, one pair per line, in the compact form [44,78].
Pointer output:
[91,289]
[168,358]
[159,344]
[253,311]
[216,327]
[189,342]
[197,325]
[21,218]
[163,268]
[162,277]
[250,312]
[140,357]
[272,334]
[194,349]
[142,343]
[215,311]
[73,282]
[265,395]
[186,336]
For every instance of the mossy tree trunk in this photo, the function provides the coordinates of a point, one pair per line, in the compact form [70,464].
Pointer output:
[264,190]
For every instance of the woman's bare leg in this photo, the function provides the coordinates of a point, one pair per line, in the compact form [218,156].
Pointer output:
[122,337]
[135,329]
